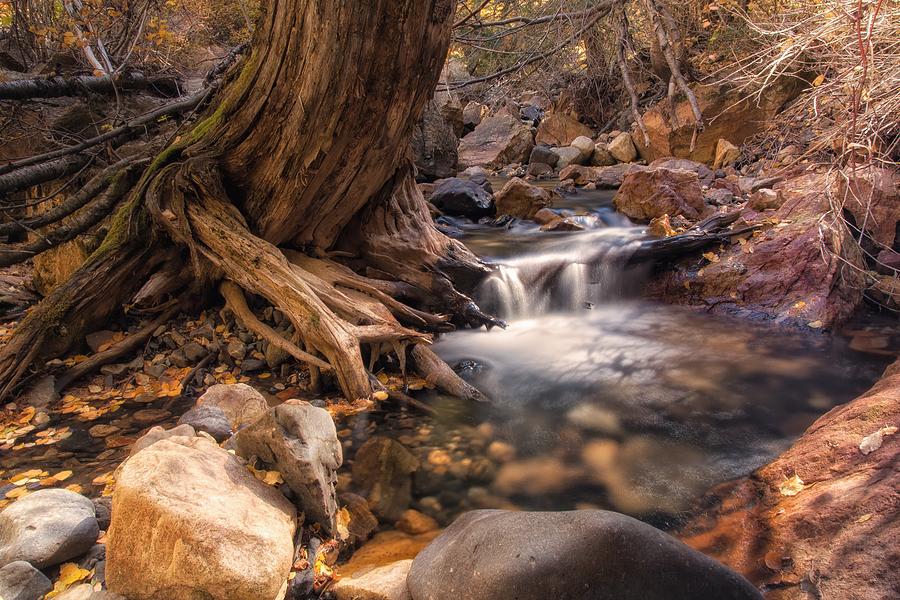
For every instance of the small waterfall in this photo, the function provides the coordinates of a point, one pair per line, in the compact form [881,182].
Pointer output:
[565,275]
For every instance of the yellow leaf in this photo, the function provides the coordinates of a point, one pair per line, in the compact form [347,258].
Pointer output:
[819,80]
[711,257]
[62,475]
[17,493]
[380,395]
[342,521]
[816,324]
[792,486]
[69,574]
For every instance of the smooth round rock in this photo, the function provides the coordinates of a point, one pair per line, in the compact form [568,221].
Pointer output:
[575,555]
[47,528]
[20,581]
[210,419]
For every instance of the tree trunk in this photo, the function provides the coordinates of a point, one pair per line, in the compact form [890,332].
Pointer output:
[305,149]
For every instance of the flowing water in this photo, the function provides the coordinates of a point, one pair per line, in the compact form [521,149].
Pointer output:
[599,398]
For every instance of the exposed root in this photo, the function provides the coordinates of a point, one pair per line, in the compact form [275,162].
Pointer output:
[438,373]
[237,304]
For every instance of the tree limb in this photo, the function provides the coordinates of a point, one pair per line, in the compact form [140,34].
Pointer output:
[56,87]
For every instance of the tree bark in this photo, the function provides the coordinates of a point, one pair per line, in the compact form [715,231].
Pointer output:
[305,150]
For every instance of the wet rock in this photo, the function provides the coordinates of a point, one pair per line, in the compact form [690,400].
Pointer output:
[567,156]
[299,441]
[362,521]
[602,177]
[463,198]
[150,415]
[383,470]
[646,194]
[739,117]
[20,581]
[501,452]
[252,365]
[622,148]
[559,129]
[103,430]
[834,533]
[385,548]
[47,528]
[544,216]
[194,352]
[241,403]
[601,156]
[413,522]
[726,153]
[498,140]
[595,418]
[210,419]
[190,521]
[520,199]
[381,583]
[539,170]
[563,224]
[536,477]
[41,394]
[576,554]
[543,154]
[159,433]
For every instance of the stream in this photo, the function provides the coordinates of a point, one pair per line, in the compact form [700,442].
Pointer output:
[601,399]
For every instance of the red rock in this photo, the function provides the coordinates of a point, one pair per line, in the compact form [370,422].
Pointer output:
[496,142]
[520,199]
[838,534]
[603,177]
[646,194]
[559,129]
[873,199]
[795,272]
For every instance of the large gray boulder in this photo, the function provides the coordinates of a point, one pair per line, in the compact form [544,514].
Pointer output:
[47,528]
[497,141]
[20,581]
[299,441]
[462,198]
[583,555]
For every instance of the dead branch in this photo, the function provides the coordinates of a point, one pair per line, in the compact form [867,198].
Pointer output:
[56,87]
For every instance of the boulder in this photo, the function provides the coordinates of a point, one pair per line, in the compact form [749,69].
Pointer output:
[872,197]
[646,194]
[585,146]
[821,519]
[382,470]
[539,170]
[463,198]
[473,114]
[210,419]
[47,528]
[20,581]
[158,433]
[706,175]
[434,144]
[520,199]
[792,271]
[765,199]
[622,148]
[543,154]
[601,156]
[241,403]
[498,140]
[190,521]
[726,154]
[381,583]
[299,441]
[488,554]
[560,129]
[567,156]
[737,117]
[602,177]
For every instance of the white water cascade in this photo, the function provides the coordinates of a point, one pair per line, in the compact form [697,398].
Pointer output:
[564,275]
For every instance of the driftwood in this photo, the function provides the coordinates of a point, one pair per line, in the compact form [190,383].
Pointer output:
[711,230]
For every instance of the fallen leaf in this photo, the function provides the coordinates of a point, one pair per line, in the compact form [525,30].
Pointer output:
[816,324]
[380,395]
[873,441]
[792,486]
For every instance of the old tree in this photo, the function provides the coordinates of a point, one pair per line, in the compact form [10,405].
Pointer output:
[293,186]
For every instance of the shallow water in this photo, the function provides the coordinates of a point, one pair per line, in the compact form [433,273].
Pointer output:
[607,400]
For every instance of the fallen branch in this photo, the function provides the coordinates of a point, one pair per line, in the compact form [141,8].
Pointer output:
[57,87]
[709,231]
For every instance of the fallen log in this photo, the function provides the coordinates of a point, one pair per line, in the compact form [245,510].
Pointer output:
[712,230]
